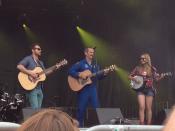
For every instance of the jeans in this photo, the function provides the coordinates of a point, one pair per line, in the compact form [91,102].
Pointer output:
[147,92]
[35,98]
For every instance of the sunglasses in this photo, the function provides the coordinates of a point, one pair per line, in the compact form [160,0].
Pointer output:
[142,58]
[37,48]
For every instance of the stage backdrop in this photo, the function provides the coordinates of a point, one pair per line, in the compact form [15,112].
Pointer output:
[128,28]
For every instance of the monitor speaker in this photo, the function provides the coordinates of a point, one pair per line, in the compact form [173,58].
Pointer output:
[106,115]
[27,112]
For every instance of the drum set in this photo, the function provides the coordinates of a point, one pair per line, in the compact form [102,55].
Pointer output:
[11,106]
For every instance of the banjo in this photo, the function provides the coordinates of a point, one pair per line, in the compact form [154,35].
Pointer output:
[138,83]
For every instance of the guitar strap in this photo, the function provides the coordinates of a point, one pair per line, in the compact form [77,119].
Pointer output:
[38,64]
[95,66]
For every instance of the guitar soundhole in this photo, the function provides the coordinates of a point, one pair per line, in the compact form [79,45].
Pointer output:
[32,79]
[82,81]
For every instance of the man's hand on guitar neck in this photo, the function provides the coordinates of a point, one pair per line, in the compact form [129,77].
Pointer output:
[106,71]
[110,69]
[63,62]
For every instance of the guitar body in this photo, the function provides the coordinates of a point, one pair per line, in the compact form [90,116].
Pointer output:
[28,84]
[135,85]
[78,84]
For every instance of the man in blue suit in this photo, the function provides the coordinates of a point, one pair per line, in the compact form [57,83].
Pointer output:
[88,94]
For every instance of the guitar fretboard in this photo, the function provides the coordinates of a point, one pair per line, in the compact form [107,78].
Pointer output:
[46,71]
[98,73]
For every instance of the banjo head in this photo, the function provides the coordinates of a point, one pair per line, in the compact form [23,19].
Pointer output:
[135,85]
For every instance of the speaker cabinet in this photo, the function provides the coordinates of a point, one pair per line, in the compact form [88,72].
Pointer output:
[102,116]
[27,112]
[105,115]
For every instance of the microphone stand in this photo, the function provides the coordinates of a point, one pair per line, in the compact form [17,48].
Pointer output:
[95,62]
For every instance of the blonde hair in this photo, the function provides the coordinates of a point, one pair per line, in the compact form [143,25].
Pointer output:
[148,58]
[49,120]
[148,66]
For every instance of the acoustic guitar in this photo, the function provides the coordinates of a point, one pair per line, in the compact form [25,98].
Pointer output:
[78,84]
[29,83]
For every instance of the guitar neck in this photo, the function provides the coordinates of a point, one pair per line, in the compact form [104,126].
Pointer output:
[109,69]
[167,74]
[95,74]
[46,71]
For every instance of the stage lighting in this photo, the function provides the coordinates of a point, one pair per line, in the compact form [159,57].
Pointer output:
[24,25]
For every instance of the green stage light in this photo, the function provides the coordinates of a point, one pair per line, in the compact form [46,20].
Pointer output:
[31,36]
[103,51]
[123,75]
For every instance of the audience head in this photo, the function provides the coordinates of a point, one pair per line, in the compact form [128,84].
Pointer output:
[169,122]
[50,120]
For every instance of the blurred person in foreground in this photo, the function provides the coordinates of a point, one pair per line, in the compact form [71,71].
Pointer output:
[170,122]
[50,120]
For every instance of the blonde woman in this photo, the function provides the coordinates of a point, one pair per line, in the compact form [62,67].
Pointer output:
[147,92]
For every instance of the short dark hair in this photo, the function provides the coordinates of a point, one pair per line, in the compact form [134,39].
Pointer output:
[32,46]
[86,49]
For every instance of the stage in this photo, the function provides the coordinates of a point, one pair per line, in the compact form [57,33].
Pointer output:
[118,32]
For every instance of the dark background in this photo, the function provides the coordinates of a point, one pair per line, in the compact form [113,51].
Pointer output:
[130,27]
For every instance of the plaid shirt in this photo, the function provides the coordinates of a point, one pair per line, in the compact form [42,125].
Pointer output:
[147,79]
